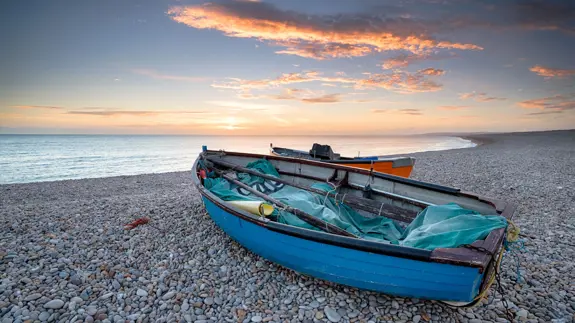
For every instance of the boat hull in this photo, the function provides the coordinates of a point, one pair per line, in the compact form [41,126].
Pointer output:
[400,166]
[381,166]
[356,268]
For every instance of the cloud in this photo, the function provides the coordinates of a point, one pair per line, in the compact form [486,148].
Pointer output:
[546,15]
[545,112]
[480,97]
[108,112]
[243,106]
[549,72]
[404,60]
[159,76]
[42,107]
[452,107]
[550,105]
[314,36]
[432,71]
[306,96]
[398,81]
[328,98]
[413,112]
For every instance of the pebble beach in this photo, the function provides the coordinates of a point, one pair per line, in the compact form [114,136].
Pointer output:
[65,256]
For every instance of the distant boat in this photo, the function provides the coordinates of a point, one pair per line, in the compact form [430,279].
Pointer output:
[456,275]
[398,166]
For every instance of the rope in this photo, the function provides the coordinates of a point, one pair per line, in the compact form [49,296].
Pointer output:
[380,208]
[511,238]
[343,198]
[513,244]
[328,192]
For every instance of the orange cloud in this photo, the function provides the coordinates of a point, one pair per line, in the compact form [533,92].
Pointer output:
[404,60]
[401,82]
[328,98]
[549,105]
[42,107]
[318,37]
[452,107]
[432,71]
[479,97]
[159,76]
[322,52]
[114,112]
[413,112]
[549,72]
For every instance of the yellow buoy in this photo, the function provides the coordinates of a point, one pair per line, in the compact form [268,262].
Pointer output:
[254,207]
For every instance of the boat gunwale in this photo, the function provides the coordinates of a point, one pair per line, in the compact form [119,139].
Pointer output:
[300,154]
[461,256]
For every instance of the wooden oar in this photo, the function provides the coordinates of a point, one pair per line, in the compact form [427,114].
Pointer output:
[318,223]
[371,206]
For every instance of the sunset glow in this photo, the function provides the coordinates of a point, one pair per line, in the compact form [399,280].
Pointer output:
[287,67]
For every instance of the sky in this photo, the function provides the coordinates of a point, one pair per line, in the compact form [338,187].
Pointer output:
[286,67]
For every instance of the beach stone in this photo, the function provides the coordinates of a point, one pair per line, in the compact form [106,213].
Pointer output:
[208,301]
[106,296]
[168,295]
[43,316]
[256,319]
[77,300]
[184,252]
[522,313]
[332,314]
[32,297]
[54,304]
[142,293]
[75,280]
[91,310]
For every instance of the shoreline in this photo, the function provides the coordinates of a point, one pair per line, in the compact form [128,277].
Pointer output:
[477,139]
[192,161]
[62,243]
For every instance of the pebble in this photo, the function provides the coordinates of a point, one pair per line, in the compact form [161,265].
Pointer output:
[256,318]
[168,295]
[44,316]
[332,314]
[75,280]
[32,297]
[106,296]
[522,313]
[182,267]
[54,304]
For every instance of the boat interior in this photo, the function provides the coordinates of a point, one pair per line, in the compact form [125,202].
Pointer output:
[374,194]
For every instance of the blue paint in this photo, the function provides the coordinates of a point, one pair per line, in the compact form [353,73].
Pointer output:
[366,158]
[204,148]
[365,270]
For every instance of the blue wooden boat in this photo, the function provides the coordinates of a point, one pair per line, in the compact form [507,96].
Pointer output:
[452,275]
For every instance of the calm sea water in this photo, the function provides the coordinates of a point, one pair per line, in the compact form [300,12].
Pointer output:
[36,158]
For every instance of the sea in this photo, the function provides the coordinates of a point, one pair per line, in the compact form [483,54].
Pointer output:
[39,158]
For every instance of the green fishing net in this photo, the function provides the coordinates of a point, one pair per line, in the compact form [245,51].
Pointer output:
[440,226]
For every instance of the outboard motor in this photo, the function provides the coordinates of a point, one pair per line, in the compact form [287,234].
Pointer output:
[322,152]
